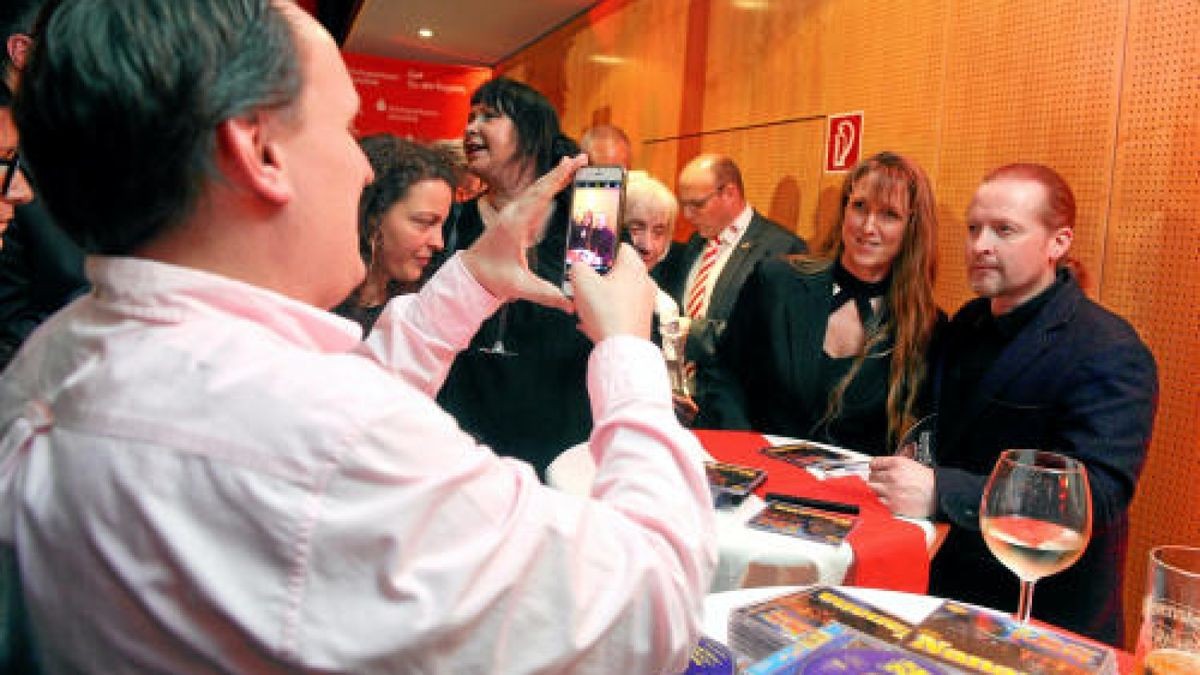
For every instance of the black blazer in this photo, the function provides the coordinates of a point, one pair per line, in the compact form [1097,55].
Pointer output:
[1078,380]
[771,360]
[763,239]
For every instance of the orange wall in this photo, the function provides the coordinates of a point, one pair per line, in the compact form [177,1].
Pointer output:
[1106,91]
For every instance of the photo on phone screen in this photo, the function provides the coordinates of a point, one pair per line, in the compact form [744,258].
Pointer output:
[596,201]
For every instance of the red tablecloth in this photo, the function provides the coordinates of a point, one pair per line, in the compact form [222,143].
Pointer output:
[888,553]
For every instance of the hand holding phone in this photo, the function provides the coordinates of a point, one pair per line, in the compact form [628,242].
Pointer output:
[621,303]
[497,259]
[597,199]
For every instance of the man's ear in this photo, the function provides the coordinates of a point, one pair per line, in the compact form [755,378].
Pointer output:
[1060,243]
[18,48]
[250,160]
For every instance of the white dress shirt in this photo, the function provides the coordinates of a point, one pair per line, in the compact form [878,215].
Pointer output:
[200,475]
[729,239]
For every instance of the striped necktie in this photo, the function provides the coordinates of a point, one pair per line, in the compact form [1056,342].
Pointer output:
[695,299]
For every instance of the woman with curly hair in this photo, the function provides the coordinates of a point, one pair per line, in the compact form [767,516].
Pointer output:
[400,217]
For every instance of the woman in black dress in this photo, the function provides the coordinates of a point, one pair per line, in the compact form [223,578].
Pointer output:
[530,400]
[831,346]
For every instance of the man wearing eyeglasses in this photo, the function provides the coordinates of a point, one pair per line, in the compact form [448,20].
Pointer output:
[707,276]
[14,189]
[41,269]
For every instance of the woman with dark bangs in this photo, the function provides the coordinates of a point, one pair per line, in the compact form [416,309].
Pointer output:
[832,346]
[529,399]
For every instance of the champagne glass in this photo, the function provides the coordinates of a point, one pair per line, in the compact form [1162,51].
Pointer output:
[497,347]
[1036,516]
[674,340]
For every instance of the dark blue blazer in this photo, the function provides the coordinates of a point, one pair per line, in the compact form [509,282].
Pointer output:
[1077,380]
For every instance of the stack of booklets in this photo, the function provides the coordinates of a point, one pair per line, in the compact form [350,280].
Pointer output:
[822,629]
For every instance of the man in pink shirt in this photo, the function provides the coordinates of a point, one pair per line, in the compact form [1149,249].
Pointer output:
[203,470]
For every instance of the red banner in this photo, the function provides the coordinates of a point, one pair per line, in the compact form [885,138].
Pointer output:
[424,101]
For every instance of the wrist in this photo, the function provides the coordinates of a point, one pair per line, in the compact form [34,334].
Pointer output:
[479,269]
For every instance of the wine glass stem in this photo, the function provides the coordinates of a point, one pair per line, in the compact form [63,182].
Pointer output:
[501,326]
[1025,606]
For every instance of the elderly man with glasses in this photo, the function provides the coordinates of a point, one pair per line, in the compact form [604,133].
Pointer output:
[730,240]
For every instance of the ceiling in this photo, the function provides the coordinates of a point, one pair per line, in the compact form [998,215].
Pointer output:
[466,32]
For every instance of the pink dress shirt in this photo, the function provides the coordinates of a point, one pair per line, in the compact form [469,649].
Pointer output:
[199,475]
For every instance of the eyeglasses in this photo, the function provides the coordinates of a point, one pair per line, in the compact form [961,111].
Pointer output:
[11,164]
[697,204]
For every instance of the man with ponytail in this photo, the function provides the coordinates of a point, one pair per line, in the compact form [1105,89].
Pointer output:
[1031,363]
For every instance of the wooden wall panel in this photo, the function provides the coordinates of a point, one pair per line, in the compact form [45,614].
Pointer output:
[603,68]
[1027,80]
[1152,261]
[783,178]
[1106,91]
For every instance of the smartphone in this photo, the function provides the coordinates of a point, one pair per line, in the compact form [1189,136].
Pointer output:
[597,200]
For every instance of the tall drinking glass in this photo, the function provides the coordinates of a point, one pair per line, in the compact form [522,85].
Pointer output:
[1169,641]
[1036,516]
[674,342]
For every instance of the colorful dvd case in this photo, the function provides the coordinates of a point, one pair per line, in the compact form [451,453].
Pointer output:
[982,641]
[711,658]
[837,650]
[731,483]
[805,454]
[823,527]
[760,629]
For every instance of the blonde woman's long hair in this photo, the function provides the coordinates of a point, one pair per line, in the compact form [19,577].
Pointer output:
[912,312]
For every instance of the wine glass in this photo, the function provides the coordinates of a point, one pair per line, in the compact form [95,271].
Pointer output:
[674,340]
[917,442]
[497,347]
[1036,516]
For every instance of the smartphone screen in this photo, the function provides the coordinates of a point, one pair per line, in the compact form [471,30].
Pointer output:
[596,200]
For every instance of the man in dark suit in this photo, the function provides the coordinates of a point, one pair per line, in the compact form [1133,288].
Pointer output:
[1032,363]
[707,275]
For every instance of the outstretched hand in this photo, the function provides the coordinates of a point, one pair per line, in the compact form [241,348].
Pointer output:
[498,260]
[620,303]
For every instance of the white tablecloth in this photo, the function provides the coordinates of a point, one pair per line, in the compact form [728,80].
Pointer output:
[747,557]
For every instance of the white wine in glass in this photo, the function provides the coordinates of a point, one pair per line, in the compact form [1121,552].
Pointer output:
[1036,516]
